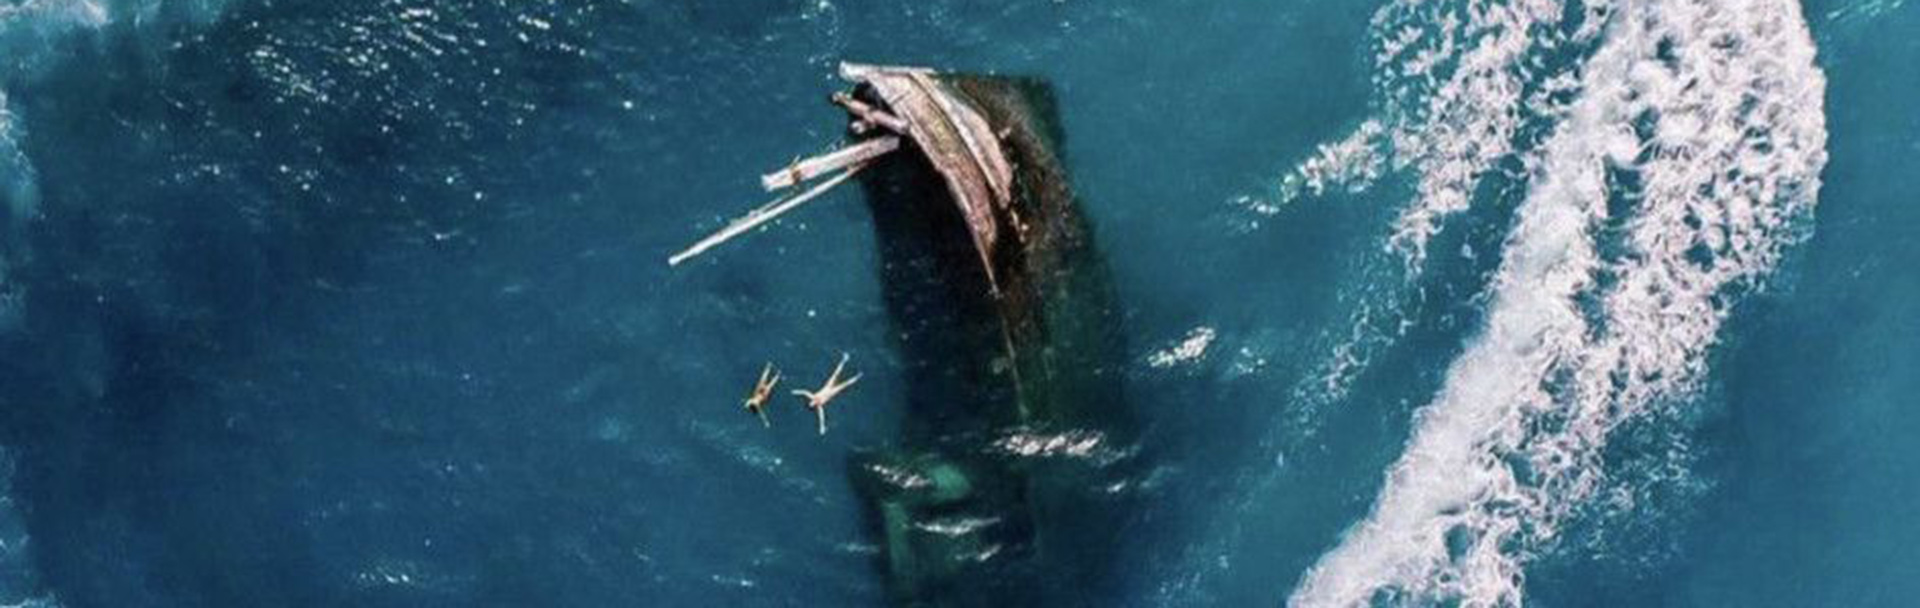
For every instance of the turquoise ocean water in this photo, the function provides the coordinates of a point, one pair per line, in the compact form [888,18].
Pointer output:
[1425,302]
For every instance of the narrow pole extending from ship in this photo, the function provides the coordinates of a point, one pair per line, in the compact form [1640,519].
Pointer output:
[761,216]
[805,170]
[851,158]
[909,105]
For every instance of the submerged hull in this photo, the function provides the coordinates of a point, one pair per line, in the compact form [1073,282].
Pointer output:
[1008,464]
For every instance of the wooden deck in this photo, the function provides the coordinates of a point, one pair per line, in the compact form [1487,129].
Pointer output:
[956,139]
[960,144]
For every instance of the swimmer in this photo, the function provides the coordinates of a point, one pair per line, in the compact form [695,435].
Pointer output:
[762,390]
[817,400]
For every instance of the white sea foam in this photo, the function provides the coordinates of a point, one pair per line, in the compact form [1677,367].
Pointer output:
[1351,164]
[1702,122]
[52,16]
[1190,349]
[1864,10]
[1450,78]
[1453,74]
[16,176]
[19,201]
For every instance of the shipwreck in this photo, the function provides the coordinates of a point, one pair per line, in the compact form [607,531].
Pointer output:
[1010,479]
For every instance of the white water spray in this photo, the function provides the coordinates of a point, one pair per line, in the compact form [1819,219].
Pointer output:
[1702,123]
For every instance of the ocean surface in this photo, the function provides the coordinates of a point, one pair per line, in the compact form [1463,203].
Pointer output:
[1425,302]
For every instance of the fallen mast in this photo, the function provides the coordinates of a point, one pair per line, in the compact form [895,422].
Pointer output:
[1009,480]
[955,138]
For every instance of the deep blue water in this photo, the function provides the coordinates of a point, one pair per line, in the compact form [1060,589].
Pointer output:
[1424,301]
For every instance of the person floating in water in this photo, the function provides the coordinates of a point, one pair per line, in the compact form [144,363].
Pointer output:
[762,390]
[817,400]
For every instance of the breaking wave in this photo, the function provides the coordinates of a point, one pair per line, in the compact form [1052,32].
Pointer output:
[1682,151]
[16,176]
[19,201]
[15,201]
[1460,84]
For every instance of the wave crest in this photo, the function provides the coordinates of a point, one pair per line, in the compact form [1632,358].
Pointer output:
[1685,161]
